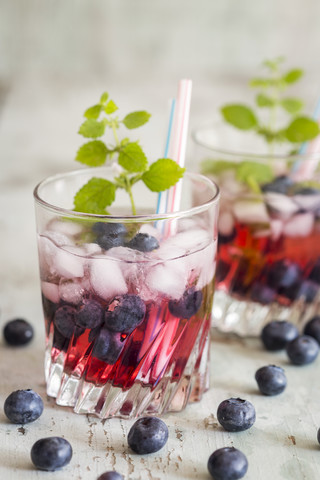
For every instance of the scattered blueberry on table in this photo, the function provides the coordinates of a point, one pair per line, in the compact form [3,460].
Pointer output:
[23,406]
[276,334]
[312,328]
[148,435]
[112,475]
[303,350]
[236,414]
[51,453]
[271,380]
[227,463]
[18,332]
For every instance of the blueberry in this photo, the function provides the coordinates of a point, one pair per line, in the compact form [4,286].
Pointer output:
[112,475]
[303,350]
[143,242]
[90,314]
[280,184]
[18,332]
[65,320]
[23,406]
[276,334]
[271,380]
[107,346]
[109,235]
[125,313]
[51,453]
[306,290]
[227,463]
[283,274]
[59,341]
[262,293]
[314,274]
[148,435]
[312,328]
[187,305]
[236,414]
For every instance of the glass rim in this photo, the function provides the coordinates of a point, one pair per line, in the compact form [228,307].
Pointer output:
[129,217]
[209,125]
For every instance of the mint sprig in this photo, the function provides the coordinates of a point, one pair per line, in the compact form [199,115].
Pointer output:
[272,98]
[99,194]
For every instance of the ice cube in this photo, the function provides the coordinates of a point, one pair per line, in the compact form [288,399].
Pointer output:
[247,211]
[225,223]
[50,291]
[205,265]
[149,229]
[276,226]
[92,248]
[106,277]
[190,240]
[71,291]
[300,225]
[280,205]
[69,261]
[168,278]
[58,238]
[307,202]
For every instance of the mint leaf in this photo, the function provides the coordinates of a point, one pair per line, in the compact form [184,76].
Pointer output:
[292,105]
[92,153]
[211,166]
[293,75]
[162,174]
[136,119]
[261,82]
[302,129]
[239,116]
[111,107]
[95,196]
[248,170]
[132,158]
[91,128]
[93,112]
[263,100]
[104,97]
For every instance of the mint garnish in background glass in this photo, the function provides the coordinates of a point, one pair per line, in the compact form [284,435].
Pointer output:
[132,164]
[276,117]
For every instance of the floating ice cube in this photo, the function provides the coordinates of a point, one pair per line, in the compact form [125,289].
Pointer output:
[204,264]
[247,211]
[58,238]
[71,291]
[92,248]
[190,240]
[280,205]
[307,202]
[168,278]
[69,261]
[50,291]
[299,225]
[226,223]
[276,226]
[106,278]
[67,228]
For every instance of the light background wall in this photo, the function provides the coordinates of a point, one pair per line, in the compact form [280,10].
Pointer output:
[57,56]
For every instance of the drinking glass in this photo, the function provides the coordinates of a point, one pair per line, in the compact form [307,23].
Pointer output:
[127,299]
[269,230]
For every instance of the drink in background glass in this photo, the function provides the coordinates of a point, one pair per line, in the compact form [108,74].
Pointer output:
[127,299]
[269,230]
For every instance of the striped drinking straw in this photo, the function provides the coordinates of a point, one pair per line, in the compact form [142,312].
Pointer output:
[177,139]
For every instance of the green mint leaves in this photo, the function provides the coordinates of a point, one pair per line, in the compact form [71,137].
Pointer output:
[272,98]
[98,193]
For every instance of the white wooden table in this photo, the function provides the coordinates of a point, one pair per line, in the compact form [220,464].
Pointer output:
[282,443]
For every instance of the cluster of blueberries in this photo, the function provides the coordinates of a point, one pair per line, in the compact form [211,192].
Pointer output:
[150,434]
